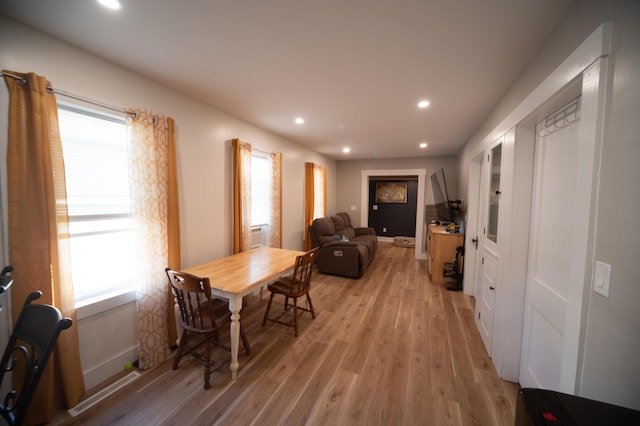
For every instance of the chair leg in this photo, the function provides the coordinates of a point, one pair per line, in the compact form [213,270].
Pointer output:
[295,315]
[181,345]
[313,313]
[207,364]
[266,314]
[245,341]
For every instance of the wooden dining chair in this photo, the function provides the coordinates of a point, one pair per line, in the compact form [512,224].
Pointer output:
[204,315]
[294,286]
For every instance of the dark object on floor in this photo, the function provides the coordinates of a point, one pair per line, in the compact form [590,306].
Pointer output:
[454,270]
[295,286]
[203,315]
[34,337]
[540,407]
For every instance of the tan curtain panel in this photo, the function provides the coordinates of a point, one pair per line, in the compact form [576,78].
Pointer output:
[309,200]
[149,186]
[241,196]
[173,224]
[38,232]
[276,200]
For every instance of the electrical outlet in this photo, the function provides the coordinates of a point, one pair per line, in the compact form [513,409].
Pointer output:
[384,229]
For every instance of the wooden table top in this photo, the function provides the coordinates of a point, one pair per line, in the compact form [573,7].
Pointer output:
[238,273]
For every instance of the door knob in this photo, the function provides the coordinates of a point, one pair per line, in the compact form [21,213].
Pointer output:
[491,288]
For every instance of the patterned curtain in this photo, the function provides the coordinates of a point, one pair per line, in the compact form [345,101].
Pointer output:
[275,237]
[320,192]
[309,201]
[148,177]
[241,196]
[38,223]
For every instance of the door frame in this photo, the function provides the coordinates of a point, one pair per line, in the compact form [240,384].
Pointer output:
[589,62]
[420,252]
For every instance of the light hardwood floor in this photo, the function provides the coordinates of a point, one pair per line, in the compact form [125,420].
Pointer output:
[388,349]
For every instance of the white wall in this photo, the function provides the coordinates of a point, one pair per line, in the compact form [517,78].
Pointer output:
[609,371]
[204,168]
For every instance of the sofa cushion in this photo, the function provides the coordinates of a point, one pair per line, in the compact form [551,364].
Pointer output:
[324,230]
[342,227]
[346,218]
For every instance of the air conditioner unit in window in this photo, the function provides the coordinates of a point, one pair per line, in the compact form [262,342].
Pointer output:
[257,236]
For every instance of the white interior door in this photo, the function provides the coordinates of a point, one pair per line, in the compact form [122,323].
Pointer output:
[487,264]
[472,226]
[547,361]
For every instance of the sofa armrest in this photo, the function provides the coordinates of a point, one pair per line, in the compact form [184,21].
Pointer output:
[365,231]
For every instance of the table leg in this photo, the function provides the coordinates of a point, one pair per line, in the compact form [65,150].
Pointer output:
[235,304]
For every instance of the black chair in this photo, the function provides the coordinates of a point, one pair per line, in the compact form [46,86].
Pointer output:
[34,336]
[5,282]
[454,270]
[295,286]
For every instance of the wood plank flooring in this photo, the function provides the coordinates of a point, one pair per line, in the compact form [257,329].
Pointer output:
[388,349]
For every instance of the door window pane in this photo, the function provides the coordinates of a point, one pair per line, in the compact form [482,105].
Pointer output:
[494,193]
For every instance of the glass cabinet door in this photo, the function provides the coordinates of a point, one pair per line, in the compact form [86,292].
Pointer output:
[494,193]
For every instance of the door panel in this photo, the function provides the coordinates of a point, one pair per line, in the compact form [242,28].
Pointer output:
[541,367]
[486,297]
[549,274]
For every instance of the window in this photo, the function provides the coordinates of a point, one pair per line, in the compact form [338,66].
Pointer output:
[260,189]
[94,147]
[319,187]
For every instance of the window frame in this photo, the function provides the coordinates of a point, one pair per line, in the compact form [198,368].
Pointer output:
[94,302]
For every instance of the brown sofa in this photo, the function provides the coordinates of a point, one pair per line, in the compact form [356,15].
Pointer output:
[344,250]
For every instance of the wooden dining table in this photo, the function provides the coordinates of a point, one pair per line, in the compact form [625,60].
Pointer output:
[233,277]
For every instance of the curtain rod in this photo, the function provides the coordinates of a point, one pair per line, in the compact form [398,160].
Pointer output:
[125,111]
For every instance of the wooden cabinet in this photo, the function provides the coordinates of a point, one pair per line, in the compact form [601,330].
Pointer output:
[441,248]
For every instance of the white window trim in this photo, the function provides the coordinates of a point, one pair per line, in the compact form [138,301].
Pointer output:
[103,303]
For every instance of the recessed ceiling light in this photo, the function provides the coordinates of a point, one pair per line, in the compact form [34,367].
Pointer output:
[423,104]
[346,150]
[299,120]
[423,145]
[111,4]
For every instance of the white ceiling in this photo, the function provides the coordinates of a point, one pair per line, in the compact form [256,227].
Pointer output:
[354,69]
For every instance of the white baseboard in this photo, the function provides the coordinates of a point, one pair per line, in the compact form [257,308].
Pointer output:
[109,368]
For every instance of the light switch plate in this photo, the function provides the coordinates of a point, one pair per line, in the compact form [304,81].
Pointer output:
[602,278]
